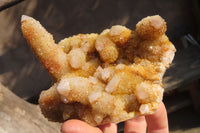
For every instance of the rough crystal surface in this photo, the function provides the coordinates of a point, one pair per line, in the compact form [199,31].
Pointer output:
[101,78]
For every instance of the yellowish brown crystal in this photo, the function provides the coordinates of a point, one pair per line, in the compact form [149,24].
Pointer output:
[101,78]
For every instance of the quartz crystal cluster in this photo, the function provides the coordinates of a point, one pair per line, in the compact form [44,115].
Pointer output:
[100,78]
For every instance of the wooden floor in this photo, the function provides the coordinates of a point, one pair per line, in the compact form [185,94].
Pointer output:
[185,120]
[22,73]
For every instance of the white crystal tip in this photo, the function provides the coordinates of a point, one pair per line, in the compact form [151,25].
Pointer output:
[25,17]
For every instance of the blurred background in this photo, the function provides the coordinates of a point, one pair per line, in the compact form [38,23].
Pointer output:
[23,74]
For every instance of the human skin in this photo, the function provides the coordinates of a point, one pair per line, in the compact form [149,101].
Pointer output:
[155,123]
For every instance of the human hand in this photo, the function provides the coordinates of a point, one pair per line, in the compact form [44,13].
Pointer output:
[155,123]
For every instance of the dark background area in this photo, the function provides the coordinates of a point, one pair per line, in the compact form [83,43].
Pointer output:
[22,73]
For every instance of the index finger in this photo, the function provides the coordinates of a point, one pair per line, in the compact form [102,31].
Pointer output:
[158,122]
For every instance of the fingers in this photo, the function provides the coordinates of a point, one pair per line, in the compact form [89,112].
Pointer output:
[77,126]
[158,122]
[109,128]
[136,125]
